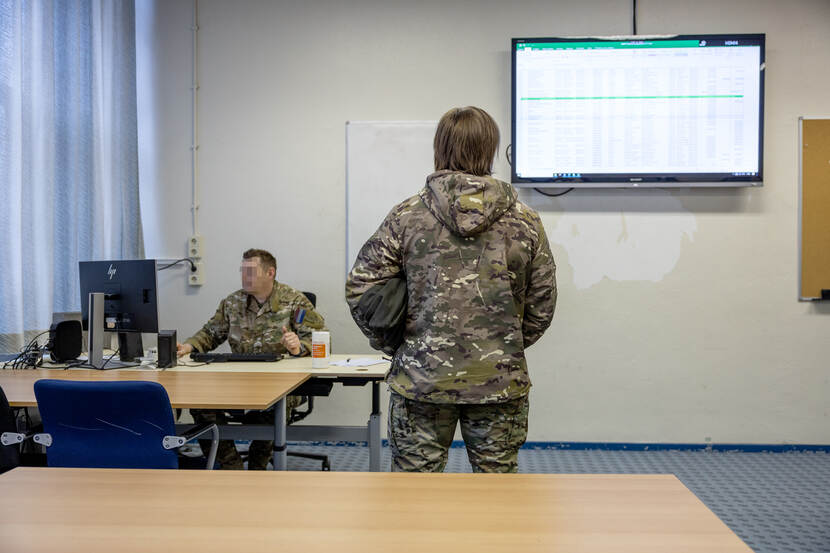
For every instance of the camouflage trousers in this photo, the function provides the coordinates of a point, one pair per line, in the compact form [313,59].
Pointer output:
[421,433]
[260,452]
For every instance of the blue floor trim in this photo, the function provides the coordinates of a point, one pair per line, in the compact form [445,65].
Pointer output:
[619,446]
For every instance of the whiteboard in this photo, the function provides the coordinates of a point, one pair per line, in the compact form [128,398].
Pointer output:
[386,163]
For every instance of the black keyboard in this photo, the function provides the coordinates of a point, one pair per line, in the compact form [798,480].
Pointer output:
[234,357]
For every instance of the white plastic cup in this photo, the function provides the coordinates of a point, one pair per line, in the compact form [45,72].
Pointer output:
[320,349]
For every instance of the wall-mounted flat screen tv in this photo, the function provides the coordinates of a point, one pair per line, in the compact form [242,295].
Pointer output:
[638,111]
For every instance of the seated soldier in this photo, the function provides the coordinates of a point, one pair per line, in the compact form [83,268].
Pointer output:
[265,316]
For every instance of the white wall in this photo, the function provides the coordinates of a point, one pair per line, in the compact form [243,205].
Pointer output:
[716,347]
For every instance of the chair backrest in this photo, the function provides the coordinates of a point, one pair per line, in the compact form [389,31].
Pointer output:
[312,297]
[9,454]
[106,424]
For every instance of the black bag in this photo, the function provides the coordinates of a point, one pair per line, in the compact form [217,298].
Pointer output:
[381,314]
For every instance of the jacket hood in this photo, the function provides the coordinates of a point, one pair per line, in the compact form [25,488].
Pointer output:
[467,204]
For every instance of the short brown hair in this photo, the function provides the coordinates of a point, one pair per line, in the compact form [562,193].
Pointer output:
[466,140]
[266,260]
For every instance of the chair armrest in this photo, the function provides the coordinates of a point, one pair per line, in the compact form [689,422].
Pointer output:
[10,438]
[43,438]
[172,442]
[197,431]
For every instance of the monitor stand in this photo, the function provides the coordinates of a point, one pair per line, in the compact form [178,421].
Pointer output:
[95,338]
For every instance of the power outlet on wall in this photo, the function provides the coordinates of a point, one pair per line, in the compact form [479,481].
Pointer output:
[194,246]
[197,277]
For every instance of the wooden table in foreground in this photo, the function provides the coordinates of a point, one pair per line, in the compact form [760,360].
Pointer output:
[92,510]
[187,390]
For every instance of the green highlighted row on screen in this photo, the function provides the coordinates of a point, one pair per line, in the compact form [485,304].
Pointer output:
[625,45]
[631,97]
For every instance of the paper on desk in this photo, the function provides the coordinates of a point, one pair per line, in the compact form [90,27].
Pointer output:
[358,362]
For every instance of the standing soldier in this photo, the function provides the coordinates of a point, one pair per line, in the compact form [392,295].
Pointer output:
[262,317]
[480,280]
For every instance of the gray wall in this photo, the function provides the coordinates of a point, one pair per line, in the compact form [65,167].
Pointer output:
[677,319]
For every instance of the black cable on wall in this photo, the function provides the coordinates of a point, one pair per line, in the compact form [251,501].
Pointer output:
[634,17]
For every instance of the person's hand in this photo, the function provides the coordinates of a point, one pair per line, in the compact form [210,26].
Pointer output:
[291,341]
[183,349]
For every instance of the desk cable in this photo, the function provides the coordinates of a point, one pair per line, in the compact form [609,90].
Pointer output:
[30,356]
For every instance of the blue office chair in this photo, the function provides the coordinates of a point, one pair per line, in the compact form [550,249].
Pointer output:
[127,424]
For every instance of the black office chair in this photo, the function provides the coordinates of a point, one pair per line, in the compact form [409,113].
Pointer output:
[312,297]
[10,448]
[16,447]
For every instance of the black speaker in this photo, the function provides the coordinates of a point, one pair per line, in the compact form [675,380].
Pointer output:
[130,346]
[65,341]
[167,349]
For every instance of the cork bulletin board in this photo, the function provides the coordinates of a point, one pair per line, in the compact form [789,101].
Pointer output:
[814,207]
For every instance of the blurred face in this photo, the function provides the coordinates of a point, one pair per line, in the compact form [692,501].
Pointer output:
[255,278]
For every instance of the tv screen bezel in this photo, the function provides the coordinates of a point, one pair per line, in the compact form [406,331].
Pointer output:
[642,180]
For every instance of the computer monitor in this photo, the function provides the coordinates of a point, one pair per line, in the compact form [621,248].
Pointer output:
[638,111]
[117,296]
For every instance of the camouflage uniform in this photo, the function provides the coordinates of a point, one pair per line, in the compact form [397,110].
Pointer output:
[481,287]
[252,328]
[420,433]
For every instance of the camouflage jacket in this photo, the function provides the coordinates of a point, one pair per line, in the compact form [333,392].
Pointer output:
[249,328]
[481,285]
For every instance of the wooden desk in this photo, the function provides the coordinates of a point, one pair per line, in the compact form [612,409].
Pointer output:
[198,390]
[92,510]
[295,364]
[348,376]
